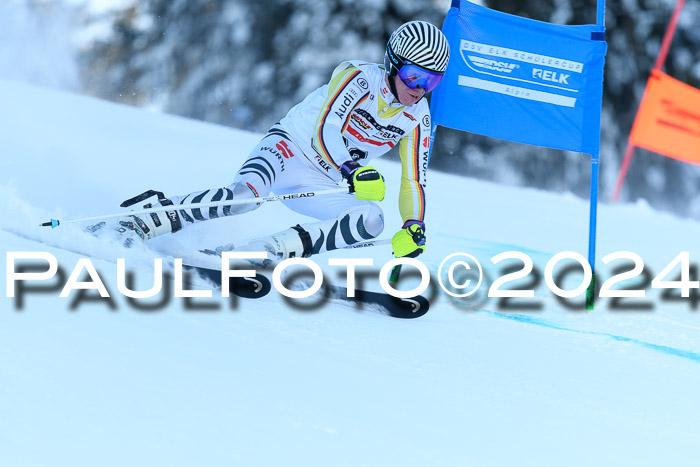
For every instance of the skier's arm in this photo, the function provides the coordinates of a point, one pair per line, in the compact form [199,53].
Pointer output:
[347,89]
[413,150]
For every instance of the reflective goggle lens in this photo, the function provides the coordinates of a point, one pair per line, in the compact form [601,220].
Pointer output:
[415,77]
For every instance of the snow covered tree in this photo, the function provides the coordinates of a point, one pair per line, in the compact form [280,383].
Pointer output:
[244,63]
[241,63]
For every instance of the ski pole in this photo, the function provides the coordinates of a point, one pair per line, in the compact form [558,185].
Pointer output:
[53,223]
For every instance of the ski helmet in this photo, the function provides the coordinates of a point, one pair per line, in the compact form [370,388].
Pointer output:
[423,48]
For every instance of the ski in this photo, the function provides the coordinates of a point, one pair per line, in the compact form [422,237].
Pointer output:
[208,267]
[403,308]
[245,287]
[203,263]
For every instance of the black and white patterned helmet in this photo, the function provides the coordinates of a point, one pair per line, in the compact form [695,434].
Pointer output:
[420,43]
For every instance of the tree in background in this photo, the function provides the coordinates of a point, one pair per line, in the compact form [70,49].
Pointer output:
[244,63]
[635,29]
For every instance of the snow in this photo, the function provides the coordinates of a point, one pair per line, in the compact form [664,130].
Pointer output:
[268,383]
[23,32]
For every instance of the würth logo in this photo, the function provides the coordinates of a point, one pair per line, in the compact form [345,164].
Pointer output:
[286,152]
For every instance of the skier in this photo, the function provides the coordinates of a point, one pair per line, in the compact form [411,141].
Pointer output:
[363,112]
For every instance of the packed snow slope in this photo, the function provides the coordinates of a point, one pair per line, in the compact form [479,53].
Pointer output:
[90,382]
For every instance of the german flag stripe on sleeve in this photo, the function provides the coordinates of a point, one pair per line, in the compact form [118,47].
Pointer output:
[319,141]
[347,120]
[421,201]
[416,154]
[416,174]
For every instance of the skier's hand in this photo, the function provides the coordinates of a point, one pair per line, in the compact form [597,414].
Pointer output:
[410,240]
[366,182]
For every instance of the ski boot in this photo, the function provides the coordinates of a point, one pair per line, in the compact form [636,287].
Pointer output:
[136,228]
[154,224]
[289,243]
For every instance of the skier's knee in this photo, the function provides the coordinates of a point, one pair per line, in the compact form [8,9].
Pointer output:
[372,220]
[244,190]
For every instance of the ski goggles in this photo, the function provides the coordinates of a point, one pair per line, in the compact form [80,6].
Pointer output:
[414,77]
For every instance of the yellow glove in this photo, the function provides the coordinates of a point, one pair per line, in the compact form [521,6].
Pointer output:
[410,240]
[366,182]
